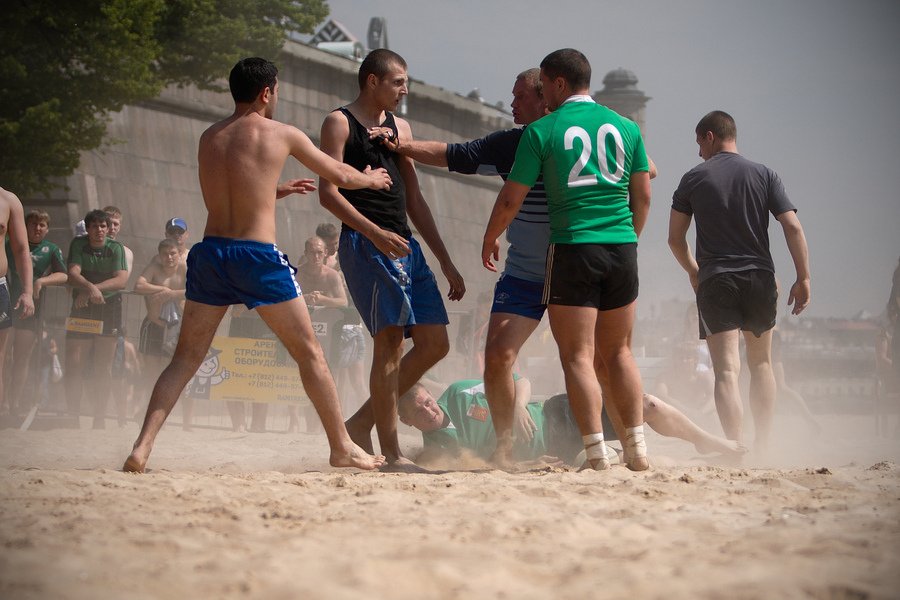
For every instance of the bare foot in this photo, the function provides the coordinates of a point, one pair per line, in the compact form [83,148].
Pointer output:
[134,464]
[361,436]
[402,465]
[356,457]
[721,445]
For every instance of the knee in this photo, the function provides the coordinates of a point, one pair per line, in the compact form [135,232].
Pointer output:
[435,347]
[499,359]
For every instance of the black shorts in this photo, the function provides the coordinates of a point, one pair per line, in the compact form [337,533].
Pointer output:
[601,276]
[152,337]
[109,313]
[744,300]
[5,305]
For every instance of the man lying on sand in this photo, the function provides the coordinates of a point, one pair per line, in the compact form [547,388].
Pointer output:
[460,420]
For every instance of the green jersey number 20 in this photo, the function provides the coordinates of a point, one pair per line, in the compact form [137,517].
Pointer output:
[577,176]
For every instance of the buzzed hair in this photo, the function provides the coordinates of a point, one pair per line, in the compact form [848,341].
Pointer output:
[166,244]
[378,62]
[249,77]
[312,241]
[720,123]
[37,215]
[533,78]
[571,65]
[113,211]
[326,230]
[404,401]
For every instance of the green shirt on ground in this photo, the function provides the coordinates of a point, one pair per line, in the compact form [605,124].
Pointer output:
[471,426]
[587,154]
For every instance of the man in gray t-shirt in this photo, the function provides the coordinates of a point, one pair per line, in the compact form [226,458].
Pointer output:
[734,275]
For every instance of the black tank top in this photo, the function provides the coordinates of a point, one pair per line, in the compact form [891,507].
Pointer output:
[387,209]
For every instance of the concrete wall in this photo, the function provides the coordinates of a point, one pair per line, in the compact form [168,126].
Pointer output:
[150,171]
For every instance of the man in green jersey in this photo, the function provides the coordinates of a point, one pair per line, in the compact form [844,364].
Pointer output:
[98,273]
[461,420]
[48,268]
[596,174]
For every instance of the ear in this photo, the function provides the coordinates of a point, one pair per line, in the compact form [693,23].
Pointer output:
[265,96]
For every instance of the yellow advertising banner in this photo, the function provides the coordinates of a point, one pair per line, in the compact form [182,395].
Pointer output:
[79,325]
[247,370]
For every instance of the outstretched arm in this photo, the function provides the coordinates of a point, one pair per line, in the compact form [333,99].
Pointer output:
[679,223]
[796,243]
[335,171]
[424,151]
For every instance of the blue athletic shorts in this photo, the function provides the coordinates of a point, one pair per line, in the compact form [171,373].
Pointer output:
[518,296]
[223,271]
[390,293]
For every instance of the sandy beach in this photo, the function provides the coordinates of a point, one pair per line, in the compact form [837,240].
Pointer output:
[232,515]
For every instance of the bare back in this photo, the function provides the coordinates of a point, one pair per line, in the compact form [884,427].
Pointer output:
[241,159]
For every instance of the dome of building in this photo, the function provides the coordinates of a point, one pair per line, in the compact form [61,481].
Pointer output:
[620,78]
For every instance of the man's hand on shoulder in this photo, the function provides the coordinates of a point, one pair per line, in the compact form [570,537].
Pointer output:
[386,136]
[295,186]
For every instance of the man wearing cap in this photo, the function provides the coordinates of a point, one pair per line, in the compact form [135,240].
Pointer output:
[176,230]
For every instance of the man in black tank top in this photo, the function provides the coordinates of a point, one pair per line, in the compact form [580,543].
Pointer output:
[390,283]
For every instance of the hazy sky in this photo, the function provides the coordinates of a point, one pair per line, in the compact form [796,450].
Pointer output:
[814,86]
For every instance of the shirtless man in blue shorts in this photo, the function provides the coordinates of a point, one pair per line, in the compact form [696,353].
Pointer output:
[392,286]
[240,160]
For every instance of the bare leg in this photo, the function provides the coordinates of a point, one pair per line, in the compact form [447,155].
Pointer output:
[430,344]
[667,420]
[104,350]
[77,352]
[725,354]
[198,327]
[505,336]
[23,347]
[782,388]
[573,328]
[623,379]
[762,387]
[236,412]
[290,322]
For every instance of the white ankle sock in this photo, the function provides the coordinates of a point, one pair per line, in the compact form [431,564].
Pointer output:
[635,446]
[595,447]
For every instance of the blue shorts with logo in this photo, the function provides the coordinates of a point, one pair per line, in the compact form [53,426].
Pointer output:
[223,271]
[390,293]
[518,296]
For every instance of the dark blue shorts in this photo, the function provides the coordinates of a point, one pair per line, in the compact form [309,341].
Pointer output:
[390,293]
[223,271]
[517,296]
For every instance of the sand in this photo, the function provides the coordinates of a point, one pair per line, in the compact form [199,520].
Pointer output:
[225,515]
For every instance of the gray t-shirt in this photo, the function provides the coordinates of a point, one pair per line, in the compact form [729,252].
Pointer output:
[730,198]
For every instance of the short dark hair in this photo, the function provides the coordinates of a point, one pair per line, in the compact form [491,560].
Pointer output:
[167,244]
[249,77]
[326,230]
[378,62]
[571,65]
[96,215]
[720,123]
